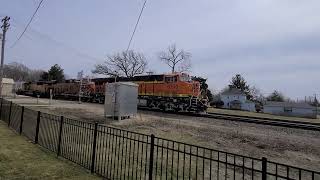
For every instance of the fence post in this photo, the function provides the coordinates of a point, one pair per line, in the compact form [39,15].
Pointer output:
[1,108]
[21,119]
[264,168]
[37,128]
[93,159]
[10,114]
[151,157]
[60,136]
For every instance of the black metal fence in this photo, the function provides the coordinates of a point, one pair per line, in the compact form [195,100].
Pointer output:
[119,154]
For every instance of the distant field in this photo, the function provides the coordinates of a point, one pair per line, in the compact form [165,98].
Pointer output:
[263,115]
[20,159]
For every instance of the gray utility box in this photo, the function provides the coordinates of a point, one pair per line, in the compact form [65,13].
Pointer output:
[121,100]
[7,87]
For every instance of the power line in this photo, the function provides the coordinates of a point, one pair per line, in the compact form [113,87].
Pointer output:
[25,29]
[135,28]
[32,33]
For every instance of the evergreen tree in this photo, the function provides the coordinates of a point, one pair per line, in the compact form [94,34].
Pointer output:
[56,73]
[239,82]
[276,96]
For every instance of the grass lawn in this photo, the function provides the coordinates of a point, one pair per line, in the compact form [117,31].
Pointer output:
[263,115]
[20,159]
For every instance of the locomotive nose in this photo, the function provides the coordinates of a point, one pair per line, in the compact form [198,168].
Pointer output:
[195,88]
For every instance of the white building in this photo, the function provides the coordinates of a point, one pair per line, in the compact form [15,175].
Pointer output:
[7,87]
[236,99]
[290,109]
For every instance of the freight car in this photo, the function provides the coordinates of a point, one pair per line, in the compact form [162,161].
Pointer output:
[41,88]
[68,90]
[174,92]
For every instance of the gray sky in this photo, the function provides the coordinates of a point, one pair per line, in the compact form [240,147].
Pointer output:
[274,44]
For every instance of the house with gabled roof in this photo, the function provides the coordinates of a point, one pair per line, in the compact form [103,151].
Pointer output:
[234,98]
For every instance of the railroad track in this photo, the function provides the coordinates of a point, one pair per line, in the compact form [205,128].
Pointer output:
[266,121]
[255,120]
[248,119]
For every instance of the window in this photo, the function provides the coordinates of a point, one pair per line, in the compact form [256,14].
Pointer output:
[185,78]
[175,78]
[171,79]
[168,79]
[287,109]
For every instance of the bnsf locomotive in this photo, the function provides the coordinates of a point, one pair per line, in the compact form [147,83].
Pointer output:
[175,92]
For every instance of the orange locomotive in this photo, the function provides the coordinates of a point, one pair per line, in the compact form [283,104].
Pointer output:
[175,92]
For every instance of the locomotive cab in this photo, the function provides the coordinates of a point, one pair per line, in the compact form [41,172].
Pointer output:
[182,93]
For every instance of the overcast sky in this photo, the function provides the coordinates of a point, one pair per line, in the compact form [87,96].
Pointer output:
[274,44]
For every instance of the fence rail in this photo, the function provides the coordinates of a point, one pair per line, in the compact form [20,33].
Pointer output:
[115,153]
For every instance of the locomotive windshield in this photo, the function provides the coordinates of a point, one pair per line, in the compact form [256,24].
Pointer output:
[185,78]
[171,79]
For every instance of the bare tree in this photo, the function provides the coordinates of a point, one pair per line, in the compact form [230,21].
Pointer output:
[177,60]
[16,71]
[256,94]
[126,64]
[20,72]
[35,75]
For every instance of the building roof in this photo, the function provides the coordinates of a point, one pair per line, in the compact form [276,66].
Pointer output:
[288,104]
[7,81]
[233,91]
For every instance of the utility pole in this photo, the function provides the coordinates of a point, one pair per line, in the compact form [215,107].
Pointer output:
[5,27]
[80,74]
[316,101]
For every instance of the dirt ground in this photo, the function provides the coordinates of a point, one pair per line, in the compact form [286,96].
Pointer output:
[295,147]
